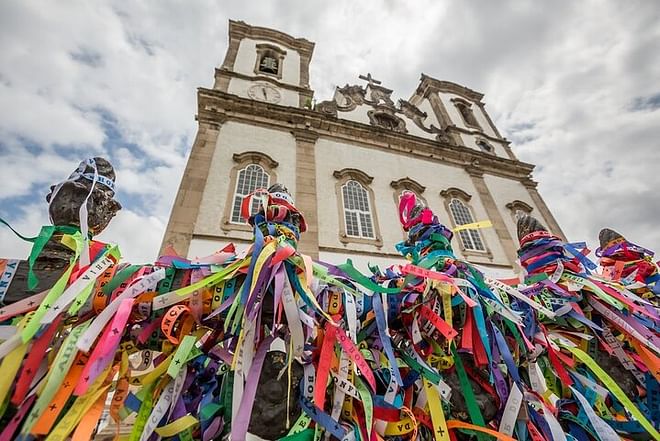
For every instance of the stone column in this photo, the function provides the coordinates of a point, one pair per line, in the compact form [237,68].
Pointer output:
[181,225]
[494,215]
[306,198]
[549,219]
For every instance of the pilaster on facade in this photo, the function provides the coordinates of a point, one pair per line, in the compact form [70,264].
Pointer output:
[306,196]
[550,220]
[477,175]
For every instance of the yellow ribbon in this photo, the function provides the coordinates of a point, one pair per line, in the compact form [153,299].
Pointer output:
[437,415]
[473,226]
[176,426]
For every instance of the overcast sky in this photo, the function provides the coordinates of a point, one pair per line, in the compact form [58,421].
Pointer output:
[574,85]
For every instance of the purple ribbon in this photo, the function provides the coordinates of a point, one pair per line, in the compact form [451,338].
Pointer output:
[240,424]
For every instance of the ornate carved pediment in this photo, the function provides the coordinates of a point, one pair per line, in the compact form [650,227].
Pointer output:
[453,192]
[519,205]
[327,107]
[378,94]
[413,113]
[256,158]
[353,173]
[408,184]
[354,96]
[385,113]
[386,119]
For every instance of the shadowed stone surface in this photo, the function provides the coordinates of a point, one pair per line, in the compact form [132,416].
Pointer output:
[607,236]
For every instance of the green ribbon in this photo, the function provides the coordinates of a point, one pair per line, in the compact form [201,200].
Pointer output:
[304,435]
[120,278]
[39,242]
[363,280]
[430,375]
[143,413]
[468,393]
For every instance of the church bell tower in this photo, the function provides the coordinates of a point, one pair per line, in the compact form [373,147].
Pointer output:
[266,65]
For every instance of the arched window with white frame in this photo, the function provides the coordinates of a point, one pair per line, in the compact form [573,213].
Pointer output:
[249,179]
[252,170]
[462,215]
[471,240]
[357,210]
[358,221]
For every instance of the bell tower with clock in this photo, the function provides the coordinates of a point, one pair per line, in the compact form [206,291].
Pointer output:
[266,65]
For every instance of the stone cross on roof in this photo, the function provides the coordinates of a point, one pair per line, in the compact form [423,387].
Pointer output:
[370,79]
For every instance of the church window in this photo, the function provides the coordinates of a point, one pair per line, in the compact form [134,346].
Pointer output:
[465,109]
[485,146]
[252,170]
[386,121]
[249,179]
[268,64]
[461,214]
[471,241]
[269,60]
[356,203]
[357,211]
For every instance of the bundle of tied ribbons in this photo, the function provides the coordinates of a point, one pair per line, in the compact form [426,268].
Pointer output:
[429,349]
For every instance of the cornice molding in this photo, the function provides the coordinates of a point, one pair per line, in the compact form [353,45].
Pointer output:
[408,184]
[447,86]
[353,173]
[255,157]
[240,29]
[221,72]
[474,169]
[519,205]
[528,182]
[215,104]
[305,135]
[453,192]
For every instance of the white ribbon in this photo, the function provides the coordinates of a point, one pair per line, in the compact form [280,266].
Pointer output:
[511,410]
[520,296]
[293,318]
[604,430]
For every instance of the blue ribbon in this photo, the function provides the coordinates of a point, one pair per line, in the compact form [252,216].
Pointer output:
[322,418]
[507,357]
[384,337]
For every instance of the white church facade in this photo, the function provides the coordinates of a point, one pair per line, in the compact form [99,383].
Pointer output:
[346,161]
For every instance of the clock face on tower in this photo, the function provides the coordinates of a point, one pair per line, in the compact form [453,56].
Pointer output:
[264,92]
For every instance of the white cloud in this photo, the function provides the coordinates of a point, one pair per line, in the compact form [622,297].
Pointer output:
[138,236]
[119,79]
